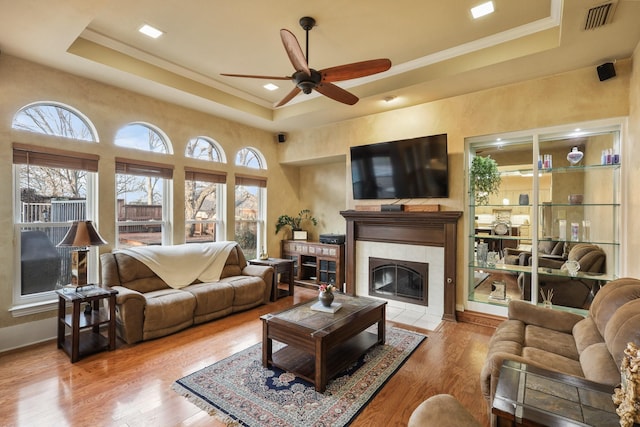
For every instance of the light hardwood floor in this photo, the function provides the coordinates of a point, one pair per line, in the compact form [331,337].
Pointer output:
[131,386]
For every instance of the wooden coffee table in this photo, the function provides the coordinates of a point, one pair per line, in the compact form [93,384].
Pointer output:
[319,345]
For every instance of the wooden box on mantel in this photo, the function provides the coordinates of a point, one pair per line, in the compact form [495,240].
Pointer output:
[368,208]
[421,208]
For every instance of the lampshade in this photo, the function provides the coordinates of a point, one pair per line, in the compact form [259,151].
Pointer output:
[82,234]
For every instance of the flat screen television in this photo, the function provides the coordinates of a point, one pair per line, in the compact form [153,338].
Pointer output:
[404,169]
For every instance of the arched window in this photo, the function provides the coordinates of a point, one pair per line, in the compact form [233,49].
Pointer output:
[51,118]
[250,203]
[250,158]
[204,148]
[145,137]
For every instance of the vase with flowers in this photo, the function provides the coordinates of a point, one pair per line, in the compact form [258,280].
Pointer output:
[326,295]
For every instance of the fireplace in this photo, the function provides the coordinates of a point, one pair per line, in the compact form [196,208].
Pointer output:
[411,236]
[399,280]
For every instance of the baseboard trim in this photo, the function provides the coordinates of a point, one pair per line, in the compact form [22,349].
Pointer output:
[25,334]
[478,318]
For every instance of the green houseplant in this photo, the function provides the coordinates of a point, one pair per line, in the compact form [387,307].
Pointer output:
[484,179]
[295,222]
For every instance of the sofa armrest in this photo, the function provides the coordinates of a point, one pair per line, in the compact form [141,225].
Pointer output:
[515,251]
[130,306]
[555,263]
[265,273]
[561,321]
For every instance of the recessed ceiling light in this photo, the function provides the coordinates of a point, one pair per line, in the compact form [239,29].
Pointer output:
[150,31]
[482,10]
[270,86]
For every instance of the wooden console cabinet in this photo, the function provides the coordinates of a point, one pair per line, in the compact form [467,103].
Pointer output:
[315,263]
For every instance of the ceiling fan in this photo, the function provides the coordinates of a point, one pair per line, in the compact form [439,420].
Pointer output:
[308,79]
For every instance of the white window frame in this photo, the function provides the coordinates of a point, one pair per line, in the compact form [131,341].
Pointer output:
[24,305]
[219,224]
[166,222]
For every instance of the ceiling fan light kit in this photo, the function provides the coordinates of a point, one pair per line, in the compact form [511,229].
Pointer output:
[307,79]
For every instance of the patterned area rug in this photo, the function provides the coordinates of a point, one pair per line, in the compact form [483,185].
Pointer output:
[239,391]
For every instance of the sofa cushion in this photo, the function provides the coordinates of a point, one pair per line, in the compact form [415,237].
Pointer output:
[211,297]
[167,308]
[553,361]
[586,333]
[623,327]
[247,290]
[137,276]
[610,298]
[442,410]
[235,263]
[551,341]
[598,365]
[509,330]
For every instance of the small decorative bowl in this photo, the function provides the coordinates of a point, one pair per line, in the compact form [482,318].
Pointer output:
[575,199]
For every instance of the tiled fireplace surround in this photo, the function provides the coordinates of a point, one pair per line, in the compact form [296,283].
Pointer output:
[411,236]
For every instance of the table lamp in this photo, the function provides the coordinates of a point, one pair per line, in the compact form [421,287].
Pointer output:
[82,234]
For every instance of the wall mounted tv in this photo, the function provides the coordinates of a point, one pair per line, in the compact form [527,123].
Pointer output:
[403,169]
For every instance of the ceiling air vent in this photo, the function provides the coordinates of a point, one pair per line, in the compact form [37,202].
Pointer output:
[600,15]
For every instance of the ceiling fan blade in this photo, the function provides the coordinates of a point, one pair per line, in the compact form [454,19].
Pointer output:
[337,93]
[250,76]
[296,90]
[355,70]
[294,51]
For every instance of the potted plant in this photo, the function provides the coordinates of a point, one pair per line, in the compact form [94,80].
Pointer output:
[485,179]
[295,222]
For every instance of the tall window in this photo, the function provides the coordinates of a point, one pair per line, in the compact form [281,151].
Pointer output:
[250,204]
[51,188]
[143,202]
[204,193]
[204,206]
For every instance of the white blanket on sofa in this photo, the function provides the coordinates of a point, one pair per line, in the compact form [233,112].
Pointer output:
[180,265]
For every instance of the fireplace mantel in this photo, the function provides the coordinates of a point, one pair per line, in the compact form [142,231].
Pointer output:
[412,228]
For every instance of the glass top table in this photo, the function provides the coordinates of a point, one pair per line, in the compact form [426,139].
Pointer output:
[527,395]
[320,344]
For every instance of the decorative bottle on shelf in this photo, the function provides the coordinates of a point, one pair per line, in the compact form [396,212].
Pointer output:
[575,156]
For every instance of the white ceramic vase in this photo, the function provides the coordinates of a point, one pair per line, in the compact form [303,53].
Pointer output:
[575,156]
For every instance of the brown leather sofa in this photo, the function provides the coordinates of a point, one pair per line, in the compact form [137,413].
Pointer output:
[549,248]
[147,307]
[590,347]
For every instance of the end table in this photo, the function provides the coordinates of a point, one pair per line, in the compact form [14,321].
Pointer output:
[531,396]
[85,337]
[280,266]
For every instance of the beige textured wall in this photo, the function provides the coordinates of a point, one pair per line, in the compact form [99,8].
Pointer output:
[322,189]
[570,97]
[110,108]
